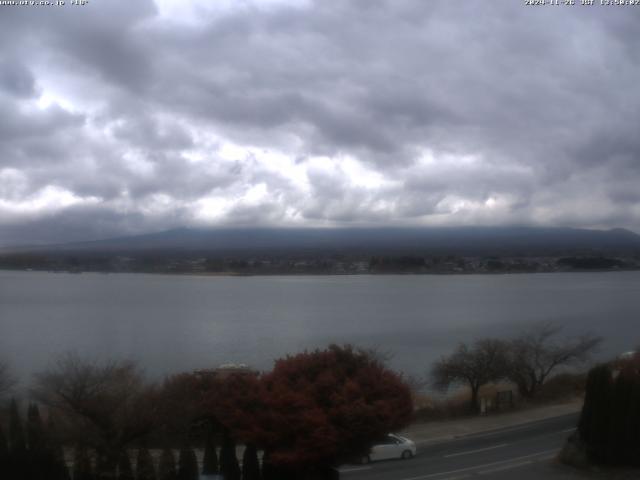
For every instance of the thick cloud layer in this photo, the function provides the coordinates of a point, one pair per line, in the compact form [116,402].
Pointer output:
[126,117]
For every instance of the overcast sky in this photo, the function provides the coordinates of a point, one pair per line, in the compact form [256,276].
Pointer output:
[123,117]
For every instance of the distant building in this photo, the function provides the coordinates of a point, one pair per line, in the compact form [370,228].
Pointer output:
[225,371]
[628,355]
[626,360]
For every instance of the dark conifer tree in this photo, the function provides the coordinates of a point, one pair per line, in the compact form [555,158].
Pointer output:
[267,467]
[125,472]
[610,421]
[210,458]
[40,459]
[228,460]
[18,461]
[167,466]
[268,472]
[58,469]
[105,465]
[4,455]
[633,427]
[624,438]
[17,442]
[618,447]
[101,468]
[188,464]
[35,431]
[145,469]
[596,412]
[250,463]
[82,468]
[273,472]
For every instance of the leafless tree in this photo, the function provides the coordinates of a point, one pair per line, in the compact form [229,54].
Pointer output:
[535,354]
[105,406]
[474,366]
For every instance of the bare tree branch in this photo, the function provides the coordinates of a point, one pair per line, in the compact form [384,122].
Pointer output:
[475,365]
[535,354]
[378,353]
[105,406]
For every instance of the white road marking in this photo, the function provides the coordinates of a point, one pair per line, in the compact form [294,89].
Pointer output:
[354,469]
[499,431]
[561,432]
[476,467]
[493,433]
[547,457]
[469,452]
[505,467]
[488,433]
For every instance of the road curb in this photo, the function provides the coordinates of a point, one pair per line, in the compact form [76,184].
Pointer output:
[414,433]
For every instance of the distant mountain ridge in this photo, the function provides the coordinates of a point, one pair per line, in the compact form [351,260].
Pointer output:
[450,240]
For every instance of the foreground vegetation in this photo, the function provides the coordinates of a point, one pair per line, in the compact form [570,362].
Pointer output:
[609,429]
[312,412]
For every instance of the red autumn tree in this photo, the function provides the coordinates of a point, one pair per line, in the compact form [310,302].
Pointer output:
[316,409]
[238,403]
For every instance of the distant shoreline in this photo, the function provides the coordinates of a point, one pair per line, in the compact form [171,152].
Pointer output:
[328,274]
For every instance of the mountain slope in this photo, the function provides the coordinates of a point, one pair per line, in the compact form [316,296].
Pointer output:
[460,240]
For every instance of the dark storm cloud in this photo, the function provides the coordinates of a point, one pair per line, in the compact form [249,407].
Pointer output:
[129,116]
[16,79]
[99,41]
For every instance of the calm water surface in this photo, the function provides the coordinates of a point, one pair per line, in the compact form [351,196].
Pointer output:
[173,323]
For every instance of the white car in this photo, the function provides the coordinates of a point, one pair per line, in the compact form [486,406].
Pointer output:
[392,446]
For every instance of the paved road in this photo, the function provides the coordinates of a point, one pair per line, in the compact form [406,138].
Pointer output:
[513,452]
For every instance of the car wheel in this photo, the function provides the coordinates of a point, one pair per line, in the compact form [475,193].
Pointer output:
[366,459]
[406,454]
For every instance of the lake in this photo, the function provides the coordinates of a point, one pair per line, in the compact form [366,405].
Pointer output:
[176,323]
